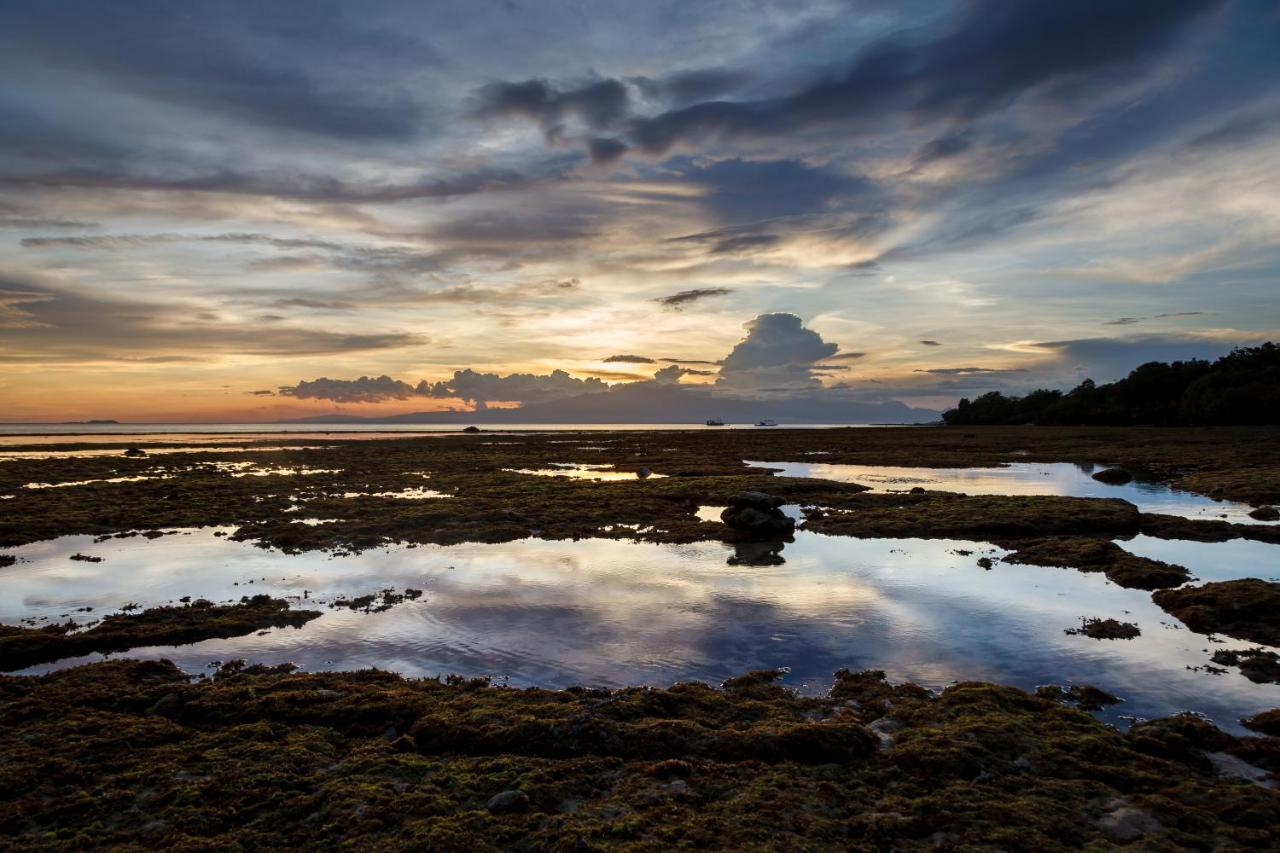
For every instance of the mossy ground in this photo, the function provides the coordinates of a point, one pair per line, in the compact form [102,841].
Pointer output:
[490,503]
[134,754]
[190,623]
[1248,609]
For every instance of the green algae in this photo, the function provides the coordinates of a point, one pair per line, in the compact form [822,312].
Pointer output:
[158,626]
[133,754]
[489,503]
[1098,555]
[1106,629]
[1258,665]
[1247,609]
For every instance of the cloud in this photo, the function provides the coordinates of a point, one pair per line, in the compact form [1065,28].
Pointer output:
[971,371]
[628,359]
[265,392]
[299,73]
[672,373]
[1123,321]
[524,387]
[47,320]
[604,149]
[698,84]
[992,55]
[688,297]
[598,104]
[366,389]
[930,343]
[778,354]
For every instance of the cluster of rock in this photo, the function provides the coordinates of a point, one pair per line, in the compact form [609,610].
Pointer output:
[755,515]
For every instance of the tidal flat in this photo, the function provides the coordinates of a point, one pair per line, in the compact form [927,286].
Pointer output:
[542,640]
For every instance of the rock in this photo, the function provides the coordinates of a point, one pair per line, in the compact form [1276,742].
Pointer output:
[643,473]
[1229,765]
[1113,476]
[917,490]
[756,515]
[508,801]
[1125,823]
[883,729]
[1265,513]
[985,563]
[755,500]
[135,452]
[471,429]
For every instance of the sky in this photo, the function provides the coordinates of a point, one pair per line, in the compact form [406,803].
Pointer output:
[247,211]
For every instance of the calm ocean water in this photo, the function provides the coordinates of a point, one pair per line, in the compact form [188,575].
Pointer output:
[182,429]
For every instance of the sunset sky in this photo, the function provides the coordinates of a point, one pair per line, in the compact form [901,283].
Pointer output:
[234,211]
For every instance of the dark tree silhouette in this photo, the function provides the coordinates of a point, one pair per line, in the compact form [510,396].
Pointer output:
[1240,388]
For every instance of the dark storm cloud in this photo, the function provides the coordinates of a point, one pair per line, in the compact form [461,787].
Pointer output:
[685,87]
[688,297]
[189,177]
[48,321]
[1106,359]
[604,149]
[599,103]
[993,54]
[748,190]
[265,63]
[944,147]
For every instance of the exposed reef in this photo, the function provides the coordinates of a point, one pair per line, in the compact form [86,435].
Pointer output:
[158,626]
[1247,609]
[133,753]
[1098,555]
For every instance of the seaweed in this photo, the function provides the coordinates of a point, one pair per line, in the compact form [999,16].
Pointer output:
[1098,555]
[190,623]
[1248,609]
[134,754]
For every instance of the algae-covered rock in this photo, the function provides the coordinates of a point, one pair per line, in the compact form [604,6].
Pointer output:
[1106,629]
[1248,609]
[1265,513]
[1113,476]
[1258,665]
[756,515]
[158,626]
[1098,555]
[259,760]
[1266,722]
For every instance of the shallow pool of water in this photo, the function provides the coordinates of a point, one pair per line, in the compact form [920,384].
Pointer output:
[601,472]
[1022,478]
[608,612]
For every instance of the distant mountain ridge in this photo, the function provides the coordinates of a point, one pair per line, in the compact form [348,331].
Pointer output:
[658,403]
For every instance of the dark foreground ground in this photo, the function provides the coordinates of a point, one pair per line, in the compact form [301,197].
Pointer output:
[132,754]
[136,755]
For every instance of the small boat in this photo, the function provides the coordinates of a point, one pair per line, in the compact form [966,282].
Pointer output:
[714,422]
[766,423]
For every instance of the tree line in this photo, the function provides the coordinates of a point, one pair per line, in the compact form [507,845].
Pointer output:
[1242,387]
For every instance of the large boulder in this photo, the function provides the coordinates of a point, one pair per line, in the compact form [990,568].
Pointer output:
[755,515]
[1113,476]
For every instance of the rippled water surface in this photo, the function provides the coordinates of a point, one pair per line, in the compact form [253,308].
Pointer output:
[1022,478]
[607,612]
